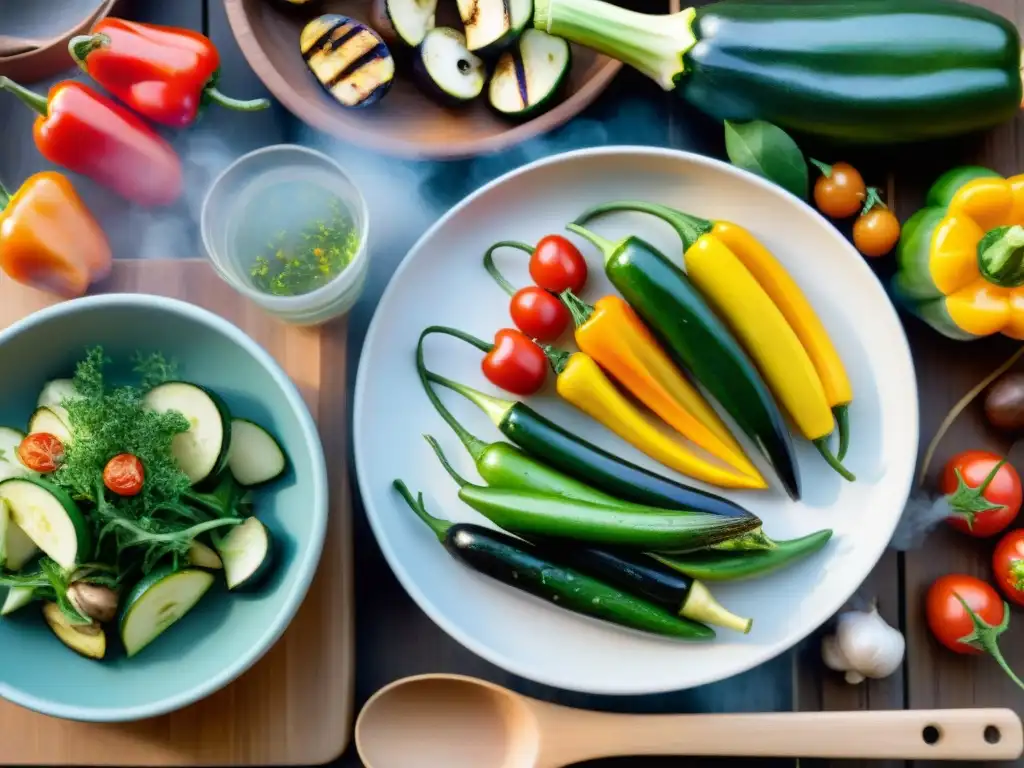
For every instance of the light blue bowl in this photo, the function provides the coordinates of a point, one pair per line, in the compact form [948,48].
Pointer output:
[225,633]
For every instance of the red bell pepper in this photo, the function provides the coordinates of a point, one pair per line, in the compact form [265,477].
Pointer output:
[89,134]
[164,73]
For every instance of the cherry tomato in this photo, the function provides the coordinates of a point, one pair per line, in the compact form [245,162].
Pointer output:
[557,265]
[978,509]
[515,363]
[124,475]
[876,232]
[41,452]
[950,622]
[839,193]
[538,313]
[1008,565]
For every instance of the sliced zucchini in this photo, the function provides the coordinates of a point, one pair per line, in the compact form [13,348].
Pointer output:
[157,602]
[446,71]
[347,58]
[528,78]
[50,518]
[404,21]
[17,598]
[5,522]
[202,556]
[20,548]
[10,464]
[488,24]
[255,456]
[521,14]
[247,553]
[53,396]
[88,640]
[44,419]
[203,450]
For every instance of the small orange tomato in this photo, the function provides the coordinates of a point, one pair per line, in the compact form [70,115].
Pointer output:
[876,232]
[124,475]
[839,192]
[41,452]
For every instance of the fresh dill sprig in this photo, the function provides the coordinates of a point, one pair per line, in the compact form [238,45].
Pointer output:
[154,369]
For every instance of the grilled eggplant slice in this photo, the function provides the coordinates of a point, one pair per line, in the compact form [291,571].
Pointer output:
[493,25]
[404,22]
[528,78]
[446,71]
[348,58]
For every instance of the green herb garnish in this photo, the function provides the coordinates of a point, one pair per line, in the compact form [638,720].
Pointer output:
[294,266]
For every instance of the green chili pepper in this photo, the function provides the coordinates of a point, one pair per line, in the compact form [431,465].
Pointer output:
[620,524]
[734,566]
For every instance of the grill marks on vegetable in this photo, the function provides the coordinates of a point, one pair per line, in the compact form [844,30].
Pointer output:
[529,76]
[348,58]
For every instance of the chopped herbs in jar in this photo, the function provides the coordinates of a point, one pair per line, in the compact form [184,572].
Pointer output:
[294,264]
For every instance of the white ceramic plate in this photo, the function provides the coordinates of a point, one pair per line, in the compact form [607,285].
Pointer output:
[441,281]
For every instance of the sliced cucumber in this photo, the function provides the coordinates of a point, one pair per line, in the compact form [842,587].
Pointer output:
[17,598]
[53,396]
[446,71]
[157,602]
[88,640]
[46,420]
[488,24]
[255,457]
[5,522]
[20,548]
[247,553]
[202,556]
[10,464]
[50,517]
[404,21]
[528,78]
[203,450]
[520,14]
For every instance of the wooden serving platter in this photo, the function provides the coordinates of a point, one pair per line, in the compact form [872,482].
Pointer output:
[295,706]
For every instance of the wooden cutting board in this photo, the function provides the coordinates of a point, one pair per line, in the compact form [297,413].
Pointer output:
[295,706]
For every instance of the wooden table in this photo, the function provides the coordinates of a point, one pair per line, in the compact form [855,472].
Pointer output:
[394,637]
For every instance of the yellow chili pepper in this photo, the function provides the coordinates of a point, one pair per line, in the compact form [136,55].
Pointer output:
[615,337]
[770,316]
[582,383]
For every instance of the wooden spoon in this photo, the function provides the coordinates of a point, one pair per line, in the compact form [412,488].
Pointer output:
[461,722]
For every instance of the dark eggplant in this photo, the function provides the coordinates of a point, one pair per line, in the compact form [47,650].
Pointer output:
[404,22]
[297,6]
[446,71]
[528,78]
[347,58]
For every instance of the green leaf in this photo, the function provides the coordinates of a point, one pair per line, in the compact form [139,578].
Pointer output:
[768,151]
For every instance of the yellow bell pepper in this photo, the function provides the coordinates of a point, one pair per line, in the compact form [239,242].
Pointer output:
[615,337]
[770,317]
[961,258]
[582,383]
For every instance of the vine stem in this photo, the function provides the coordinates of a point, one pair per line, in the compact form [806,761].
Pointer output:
[958,408]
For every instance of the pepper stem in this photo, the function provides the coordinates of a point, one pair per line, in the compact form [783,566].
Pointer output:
[842,416]
[700,605]
[752,541]
[689,228]
[437,525]
[822,445]
[212,95]
[495,407]
[480,344]
[492,270]
[986,637]
[578,308]
[5,197]
[474,445]
[607,247]
[556,357]
[1001,256]
[462,482]
[31,99]
[80,46]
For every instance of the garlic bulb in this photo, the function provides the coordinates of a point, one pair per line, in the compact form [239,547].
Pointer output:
[863,646]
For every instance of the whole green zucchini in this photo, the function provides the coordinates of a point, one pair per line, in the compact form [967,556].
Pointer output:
[870,71]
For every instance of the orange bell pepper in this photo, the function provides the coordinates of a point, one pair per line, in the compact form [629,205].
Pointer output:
[613,335]
[49,239]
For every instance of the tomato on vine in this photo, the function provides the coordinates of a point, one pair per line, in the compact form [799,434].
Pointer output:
[839,192]
[877,230]
[536,311]
[983,492]
[1008,565]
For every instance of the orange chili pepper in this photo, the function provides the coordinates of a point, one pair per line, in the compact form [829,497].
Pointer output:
[49,239]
